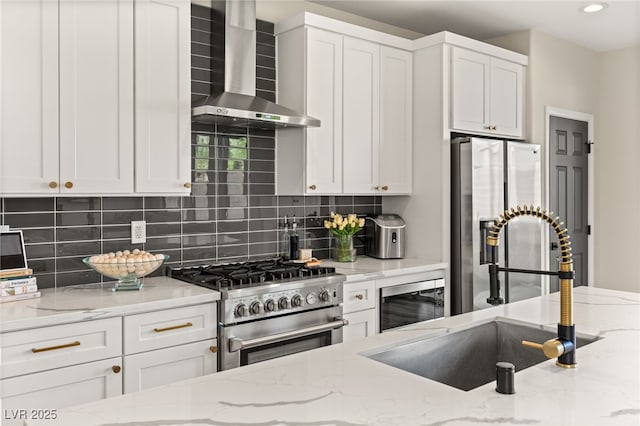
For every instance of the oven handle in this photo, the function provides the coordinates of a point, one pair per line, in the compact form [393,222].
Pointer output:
[237,344]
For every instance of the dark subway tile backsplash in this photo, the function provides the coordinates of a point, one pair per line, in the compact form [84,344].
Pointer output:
[231,215]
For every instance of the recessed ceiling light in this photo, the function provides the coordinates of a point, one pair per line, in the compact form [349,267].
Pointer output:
[593,7]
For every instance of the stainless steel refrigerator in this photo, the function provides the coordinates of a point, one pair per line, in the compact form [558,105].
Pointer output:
[487,177]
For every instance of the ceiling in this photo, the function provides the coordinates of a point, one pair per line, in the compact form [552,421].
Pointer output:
[616,27]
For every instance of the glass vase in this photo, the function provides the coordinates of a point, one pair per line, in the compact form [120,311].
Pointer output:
[343,250]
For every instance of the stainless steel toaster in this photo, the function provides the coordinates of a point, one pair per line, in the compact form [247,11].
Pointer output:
[385,236]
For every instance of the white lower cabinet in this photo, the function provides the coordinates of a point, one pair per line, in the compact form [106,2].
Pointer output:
[361,324]
[359,309]
[41,394]
[164,366]
[49,368]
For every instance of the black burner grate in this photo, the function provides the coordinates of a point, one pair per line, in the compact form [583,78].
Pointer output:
[246,274]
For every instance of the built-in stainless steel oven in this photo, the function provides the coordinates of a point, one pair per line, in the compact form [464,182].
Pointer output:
[249,343]
[410,303]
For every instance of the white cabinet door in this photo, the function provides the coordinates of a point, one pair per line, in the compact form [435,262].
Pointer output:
[96,96]
[487,94]
[361,116]
[63,387]
[163,96]
[361,325]
[164,366]
[396,113]
[324,101]
[469,85]
[507,97]
[29,97]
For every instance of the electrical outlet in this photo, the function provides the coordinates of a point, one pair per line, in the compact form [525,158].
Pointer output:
[138,232]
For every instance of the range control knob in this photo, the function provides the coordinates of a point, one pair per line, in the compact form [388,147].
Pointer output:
[256,308]
[325,296]
[269,305]
[296,301]
[283,303]
[242,310]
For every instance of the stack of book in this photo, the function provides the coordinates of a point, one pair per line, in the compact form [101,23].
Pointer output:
[19,284]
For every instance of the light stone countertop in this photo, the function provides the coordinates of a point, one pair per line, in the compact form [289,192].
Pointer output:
[336,385]
[94,301]
[366,268]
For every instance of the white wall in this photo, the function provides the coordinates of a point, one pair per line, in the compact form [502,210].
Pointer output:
[618,170]
[277,10]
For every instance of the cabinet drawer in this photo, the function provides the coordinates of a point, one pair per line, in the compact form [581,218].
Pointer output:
[172,327]
[361,324]
[46,348]
[62,387]
[169,365]
[359,296]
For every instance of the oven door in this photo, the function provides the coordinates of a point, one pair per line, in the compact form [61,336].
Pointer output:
[410,303]
[252,342]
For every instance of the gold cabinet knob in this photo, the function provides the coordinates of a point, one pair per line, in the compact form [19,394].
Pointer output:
[53,184]
[312,187]
[377,188]
[385,187]
[213,349]
[68,184]
[116,369]
[187,184]
[359,296]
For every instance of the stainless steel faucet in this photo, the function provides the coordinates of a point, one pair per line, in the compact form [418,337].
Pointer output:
[564,346]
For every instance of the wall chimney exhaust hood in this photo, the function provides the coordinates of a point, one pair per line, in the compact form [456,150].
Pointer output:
[238,105]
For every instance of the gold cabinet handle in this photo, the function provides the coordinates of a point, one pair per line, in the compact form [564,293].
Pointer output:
[385,187]
[68,184]
[359,296]
[213,349]
[116,369]
[187,184]
[53,348]
[173,327]
[312,187]
[53,184]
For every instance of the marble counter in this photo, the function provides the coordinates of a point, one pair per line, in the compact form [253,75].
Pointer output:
[337,385]
[93,301]
[366,268]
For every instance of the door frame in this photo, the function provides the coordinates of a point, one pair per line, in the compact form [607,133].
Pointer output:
[589,119]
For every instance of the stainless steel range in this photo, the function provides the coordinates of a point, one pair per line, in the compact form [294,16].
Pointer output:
[271,308]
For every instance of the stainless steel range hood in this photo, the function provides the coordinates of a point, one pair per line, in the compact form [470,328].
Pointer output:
[238,105]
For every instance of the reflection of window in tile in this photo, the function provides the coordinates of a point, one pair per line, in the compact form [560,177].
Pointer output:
[237,153]
[201,158]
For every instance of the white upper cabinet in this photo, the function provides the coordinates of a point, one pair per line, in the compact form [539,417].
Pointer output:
[358,83]
[361,117]
[487,94]
[309,161]
[96,96]
[324,87]
[67,116]
[28,97]
[163,101]
[396,112]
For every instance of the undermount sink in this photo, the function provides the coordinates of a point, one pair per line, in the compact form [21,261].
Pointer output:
[466,358]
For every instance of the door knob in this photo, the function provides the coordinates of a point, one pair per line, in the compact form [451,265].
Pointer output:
[385,187]
[53,184]
[312,187]
[68,184]
[116,369]
[187,185]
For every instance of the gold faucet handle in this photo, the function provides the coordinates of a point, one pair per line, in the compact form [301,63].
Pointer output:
[552,348]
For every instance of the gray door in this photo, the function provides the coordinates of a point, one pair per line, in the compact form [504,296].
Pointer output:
[568,186]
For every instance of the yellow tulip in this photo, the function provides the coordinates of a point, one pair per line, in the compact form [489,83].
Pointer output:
[327,224]
[361,222]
